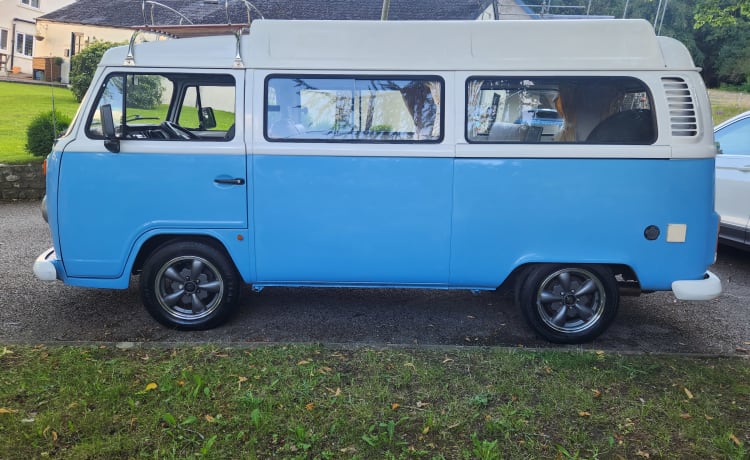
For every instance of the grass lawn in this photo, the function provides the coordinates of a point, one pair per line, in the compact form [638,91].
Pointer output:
[20,104]
[318,402]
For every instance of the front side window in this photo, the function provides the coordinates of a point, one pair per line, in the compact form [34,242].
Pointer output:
[31,3]
[25,44]
[597,110]
[185,107]
[353,109]
[734,139]
[4,39]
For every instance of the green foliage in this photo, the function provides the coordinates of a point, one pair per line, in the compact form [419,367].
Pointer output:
[146,94]
[720,13]
[83,65]
[43,130]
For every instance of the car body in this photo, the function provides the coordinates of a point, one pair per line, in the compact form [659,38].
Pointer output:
[549,120]
[733,180]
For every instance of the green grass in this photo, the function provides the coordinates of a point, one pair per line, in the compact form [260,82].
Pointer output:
[306,401]
[20,103]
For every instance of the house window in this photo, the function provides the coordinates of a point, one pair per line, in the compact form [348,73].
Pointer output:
[25,44]
[31,3]
[4,39]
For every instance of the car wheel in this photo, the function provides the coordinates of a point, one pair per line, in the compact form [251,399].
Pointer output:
[569,304]
[189,285]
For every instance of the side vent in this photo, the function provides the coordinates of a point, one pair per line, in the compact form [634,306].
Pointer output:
[682,116]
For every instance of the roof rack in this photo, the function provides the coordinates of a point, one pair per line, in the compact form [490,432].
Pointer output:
[183,30]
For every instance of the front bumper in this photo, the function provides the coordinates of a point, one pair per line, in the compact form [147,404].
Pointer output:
[44,266]
[705,289]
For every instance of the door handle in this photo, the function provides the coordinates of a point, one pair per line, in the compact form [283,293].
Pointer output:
[745,168]
[234,181]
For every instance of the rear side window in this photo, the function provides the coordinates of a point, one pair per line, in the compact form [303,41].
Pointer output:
[596,110]
[353,109]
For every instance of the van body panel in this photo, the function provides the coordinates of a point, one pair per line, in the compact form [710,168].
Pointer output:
[108,200]
[508,212]
[376,220]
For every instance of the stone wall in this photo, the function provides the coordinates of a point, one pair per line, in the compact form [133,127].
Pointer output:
[21,182]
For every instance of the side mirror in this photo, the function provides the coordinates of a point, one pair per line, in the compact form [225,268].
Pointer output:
[111,142]
[208,120]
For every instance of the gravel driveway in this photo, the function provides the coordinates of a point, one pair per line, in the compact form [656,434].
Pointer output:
[33,311]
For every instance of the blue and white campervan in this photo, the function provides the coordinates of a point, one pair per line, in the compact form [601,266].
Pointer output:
[392,154]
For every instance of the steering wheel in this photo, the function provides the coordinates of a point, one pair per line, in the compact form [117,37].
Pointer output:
[177,131]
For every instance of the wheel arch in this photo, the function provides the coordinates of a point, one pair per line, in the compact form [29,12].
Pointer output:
[625,275]
[155,242]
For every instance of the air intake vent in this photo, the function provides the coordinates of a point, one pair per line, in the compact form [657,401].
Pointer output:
[682,115]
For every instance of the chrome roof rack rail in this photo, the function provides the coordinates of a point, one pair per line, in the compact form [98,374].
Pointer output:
[130,58]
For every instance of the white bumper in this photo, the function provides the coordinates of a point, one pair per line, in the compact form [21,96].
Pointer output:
[706,289]
[44,268]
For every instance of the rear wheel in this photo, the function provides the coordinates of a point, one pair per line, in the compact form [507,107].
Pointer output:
[569,303]
[189,285]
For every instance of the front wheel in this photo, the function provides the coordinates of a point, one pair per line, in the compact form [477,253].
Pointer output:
[189,285]
[569,304]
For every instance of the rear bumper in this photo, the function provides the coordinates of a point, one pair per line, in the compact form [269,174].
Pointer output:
[44,266]
[704,289]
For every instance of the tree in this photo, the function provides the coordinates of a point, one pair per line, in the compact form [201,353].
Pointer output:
[83,65]
[720,13]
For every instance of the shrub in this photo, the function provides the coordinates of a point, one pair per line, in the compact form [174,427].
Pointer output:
[43,130]
[83,65]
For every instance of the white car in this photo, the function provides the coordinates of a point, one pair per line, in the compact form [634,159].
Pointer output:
[733,180]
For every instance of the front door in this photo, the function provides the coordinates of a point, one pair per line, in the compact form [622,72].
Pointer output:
[180,167]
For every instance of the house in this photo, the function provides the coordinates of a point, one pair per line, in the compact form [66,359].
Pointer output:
[68,30]
[18,35]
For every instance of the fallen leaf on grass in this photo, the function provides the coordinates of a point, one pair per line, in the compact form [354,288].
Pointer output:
[686,416]
[3,410]
[395,406]
[596,394]
[310,406]
[734,439]
[425,430]
[151,386]
[584,413]
[688,393]
[336,392]
[643,454]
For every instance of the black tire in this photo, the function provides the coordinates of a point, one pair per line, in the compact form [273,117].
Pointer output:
[569,303]
[189,285]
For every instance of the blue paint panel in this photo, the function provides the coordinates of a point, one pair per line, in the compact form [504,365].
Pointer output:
[107,201]
[512,211]
[378,220]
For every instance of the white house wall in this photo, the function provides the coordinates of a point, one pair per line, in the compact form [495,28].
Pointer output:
[15,18]
[57,40]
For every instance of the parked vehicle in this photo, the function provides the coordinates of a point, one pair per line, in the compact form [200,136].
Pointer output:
[733,180]
[350,154]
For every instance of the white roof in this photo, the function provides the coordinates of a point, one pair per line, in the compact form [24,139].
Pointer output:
[581,44]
